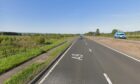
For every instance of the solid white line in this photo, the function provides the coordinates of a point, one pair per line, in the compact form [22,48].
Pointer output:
[90,50]
[120,52]
[107,78]
[43,79]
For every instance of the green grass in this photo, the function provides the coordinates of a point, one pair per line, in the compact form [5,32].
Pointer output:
[14,60]
[130,35]
[12,45]
[24,76]
[133,37]
[28,73]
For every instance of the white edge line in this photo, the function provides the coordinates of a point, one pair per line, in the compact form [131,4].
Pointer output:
[120,52]
[43,79]
[107,78]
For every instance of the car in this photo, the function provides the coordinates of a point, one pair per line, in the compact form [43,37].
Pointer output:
[120,35]
[81,36]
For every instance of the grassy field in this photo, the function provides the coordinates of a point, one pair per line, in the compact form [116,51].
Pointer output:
[15,50]
[27,74]
[130,35]
[11,45]
[133,35]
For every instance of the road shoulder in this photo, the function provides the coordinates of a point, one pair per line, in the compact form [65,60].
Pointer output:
[129,48]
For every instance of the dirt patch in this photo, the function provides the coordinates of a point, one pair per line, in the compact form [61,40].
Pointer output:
[129,47]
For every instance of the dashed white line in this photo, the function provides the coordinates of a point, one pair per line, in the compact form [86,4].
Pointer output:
[90,50]
[43,79]
[107,78]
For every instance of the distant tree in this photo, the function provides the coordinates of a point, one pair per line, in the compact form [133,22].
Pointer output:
[90,33]
[10,33]
[114,31]
[97,32]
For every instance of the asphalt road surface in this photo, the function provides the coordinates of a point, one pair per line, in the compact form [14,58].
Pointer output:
[87,62]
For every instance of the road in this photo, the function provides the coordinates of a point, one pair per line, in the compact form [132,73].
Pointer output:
[87,62]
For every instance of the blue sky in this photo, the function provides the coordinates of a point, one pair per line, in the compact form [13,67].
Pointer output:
[69,16]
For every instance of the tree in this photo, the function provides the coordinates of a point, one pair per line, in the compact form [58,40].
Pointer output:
[90,33]
[97,32]
[114,31]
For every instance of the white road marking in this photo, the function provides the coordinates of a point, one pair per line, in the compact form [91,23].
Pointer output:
[43,79]
[107,78]
[90,50]
[121,52]
[77,56]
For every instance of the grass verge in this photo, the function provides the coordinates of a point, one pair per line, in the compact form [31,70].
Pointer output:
[28,73]
[15,60]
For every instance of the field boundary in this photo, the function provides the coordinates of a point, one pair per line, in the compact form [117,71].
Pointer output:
[31,58]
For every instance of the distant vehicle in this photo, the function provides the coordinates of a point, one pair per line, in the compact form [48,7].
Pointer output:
[81,36]
[120,35]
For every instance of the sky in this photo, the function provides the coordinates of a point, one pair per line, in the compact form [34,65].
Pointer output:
[69,16]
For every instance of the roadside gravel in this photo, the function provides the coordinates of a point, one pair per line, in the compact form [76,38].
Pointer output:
[129,47]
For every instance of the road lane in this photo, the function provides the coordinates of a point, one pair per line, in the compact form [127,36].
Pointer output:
[72,70]
[121,69]
[88,62]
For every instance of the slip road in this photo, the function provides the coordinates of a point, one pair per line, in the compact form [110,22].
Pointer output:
[87,62]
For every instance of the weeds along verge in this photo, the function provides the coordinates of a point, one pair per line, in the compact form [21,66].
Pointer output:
[31,71]
[12,61]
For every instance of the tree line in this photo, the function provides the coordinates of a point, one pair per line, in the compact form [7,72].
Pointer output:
[98,33]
